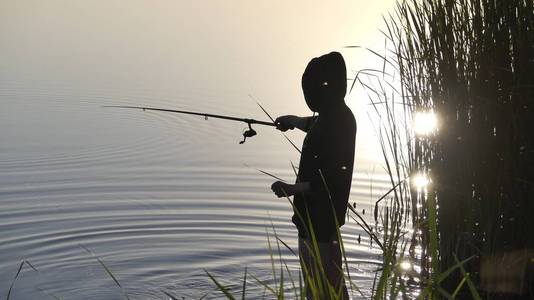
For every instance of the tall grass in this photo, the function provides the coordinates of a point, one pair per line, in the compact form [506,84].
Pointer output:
[472,63]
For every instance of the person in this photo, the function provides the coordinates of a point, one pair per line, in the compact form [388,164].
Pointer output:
[323,182]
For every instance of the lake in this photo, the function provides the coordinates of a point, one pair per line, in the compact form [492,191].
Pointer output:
[158,197]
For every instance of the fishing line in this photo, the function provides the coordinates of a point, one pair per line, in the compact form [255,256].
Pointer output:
[248,133]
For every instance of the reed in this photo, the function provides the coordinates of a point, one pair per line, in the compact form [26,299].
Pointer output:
[471,62]
[401,223]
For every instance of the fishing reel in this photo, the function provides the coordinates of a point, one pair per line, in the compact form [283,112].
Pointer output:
[248,133]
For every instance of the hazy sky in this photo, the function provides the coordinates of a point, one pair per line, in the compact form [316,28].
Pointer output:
[237,47]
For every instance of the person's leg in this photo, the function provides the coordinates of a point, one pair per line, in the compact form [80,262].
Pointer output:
[311,270]
[331,262]
[306,265]
[334,267]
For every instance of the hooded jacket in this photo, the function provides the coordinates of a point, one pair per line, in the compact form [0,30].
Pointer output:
[327,157]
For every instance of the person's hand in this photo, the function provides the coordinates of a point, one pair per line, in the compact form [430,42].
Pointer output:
[282,189]
[284,123]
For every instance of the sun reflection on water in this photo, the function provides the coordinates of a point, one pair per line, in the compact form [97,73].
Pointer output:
[420,181]
[425,123]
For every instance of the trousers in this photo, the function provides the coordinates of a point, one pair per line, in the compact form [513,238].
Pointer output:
[330,262]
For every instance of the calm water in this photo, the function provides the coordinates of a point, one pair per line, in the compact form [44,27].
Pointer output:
[158,197]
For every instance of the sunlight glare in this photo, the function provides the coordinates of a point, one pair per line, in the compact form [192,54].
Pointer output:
[406,265]
[420,181]
[425,123]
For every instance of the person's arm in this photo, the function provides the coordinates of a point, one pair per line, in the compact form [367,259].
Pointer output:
[285,123]
[282,189]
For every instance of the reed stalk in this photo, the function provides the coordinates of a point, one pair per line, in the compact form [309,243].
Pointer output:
[472,63]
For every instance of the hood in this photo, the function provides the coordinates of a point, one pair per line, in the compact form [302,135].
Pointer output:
[324,82]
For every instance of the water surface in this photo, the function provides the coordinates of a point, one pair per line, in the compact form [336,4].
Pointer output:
[158,197]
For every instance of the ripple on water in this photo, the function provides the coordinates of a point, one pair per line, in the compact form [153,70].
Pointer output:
[159,198]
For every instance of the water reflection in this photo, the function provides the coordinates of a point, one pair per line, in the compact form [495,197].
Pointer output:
[406,265]
[420,181]
[425,123]
[158,198]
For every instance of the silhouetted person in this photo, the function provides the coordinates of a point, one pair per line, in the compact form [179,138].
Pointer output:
[324,178]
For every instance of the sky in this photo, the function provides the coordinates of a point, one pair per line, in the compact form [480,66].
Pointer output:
[221,47]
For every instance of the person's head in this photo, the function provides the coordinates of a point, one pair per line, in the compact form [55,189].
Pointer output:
[324,82]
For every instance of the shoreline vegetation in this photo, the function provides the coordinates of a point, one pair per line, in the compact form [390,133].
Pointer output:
[458,210]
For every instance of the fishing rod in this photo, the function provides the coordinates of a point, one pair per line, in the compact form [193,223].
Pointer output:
[246,134]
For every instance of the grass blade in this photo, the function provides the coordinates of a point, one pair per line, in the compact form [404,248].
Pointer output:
[170,296]
[447,272]
[108,271]
[470,284]
[268,115]
[270,289]
[221,287]
[287,246]
[48,294]
[266,173]
[244,284]
[31,266]
[14,279]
